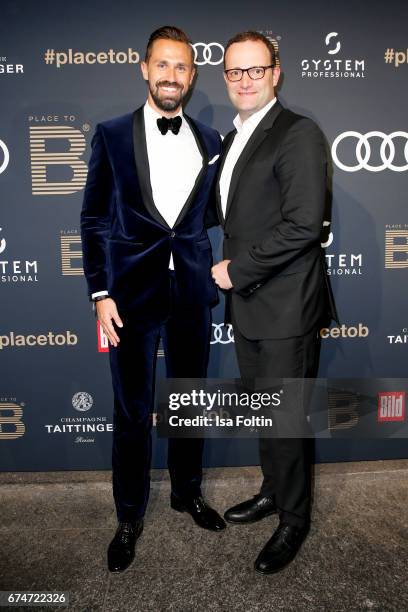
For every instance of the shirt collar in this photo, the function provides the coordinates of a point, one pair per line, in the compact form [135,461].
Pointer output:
[151,116]
[254,119]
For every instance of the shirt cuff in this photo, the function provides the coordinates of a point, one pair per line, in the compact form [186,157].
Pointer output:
[98,293]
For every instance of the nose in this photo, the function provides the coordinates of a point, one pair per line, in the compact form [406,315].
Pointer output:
[171,74]
[246,81]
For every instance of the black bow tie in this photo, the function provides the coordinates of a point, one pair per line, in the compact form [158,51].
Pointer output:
[173,124]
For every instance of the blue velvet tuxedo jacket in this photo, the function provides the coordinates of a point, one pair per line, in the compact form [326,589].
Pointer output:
[126,242]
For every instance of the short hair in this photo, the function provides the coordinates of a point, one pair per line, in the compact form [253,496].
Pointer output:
[252,35]
[168,33]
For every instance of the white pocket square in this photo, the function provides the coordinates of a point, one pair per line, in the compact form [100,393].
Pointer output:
[213,160]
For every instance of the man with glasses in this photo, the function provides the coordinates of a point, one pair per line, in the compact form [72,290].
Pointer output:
[271,201]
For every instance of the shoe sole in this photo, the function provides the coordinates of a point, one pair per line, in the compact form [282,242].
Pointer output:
[275,571]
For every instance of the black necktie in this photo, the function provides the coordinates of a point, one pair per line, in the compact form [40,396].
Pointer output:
[173,124]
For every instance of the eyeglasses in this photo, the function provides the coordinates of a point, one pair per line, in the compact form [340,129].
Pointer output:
[254,73]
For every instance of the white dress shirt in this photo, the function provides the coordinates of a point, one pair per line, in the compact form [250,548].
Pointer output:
[174,162]
[245,129]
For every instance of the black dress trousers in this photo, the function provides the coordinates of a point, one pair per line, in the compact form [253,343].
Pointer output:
[285,462]
[185,333]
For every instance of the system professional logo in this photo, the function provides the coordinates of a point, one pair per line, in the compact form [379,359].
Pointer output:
[208,53]
[13,340]
[57,144]
[4,156]
[340,264]
[11,423]
[332,67]
[7,67]
[343,331]
[76,426]
[391,406]
[396,246]
[400,338]
[16,270]
[3,243]
[384,157]
[71,253]
[82,401]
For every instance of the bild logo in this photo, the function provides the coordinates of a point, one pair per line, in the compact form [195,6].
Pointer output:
[4,156]
[391,406]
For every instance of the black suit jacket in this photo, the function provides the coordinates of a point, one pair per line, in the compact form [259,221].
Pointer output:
[272,228]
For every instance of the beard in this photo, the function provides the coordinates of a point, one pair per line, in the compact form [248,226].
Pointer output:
[164,101]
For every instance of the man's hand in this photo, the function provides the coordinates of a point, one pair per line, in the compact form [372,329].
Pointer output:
[107,312]
[219,272]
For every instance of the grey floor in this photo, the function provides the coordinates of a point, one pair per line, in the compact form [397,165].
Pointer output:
[55,528]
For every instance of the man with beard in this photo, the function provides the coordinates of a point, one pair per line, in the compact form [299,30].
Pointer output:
[147,261]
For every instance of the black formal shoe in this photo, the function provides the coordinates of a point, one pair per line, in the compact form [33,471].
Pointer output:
[281,549]
[203,515]
[252,510]
[121,551]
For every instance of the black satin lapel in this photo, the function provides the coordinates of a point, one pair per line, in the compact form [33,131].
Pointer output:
[259,135]
[142,165]
[228,140]
[204,154]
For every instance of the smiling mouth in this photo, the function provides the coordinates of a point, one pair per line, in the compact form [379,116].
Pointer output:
[169,89]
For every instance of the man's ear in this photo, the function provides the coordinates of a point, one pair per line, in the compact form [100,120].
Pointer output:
[143,68]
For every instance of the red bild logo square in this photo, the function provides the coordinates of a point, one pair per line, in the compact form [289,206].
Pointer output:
[103,342]
[391,406]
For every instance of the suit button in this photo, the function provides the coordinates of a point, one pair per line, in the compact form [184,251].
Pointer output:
[227,235]
[172,234]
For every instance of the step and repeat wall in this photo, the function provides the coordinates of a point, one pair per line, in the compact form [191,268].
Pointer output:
[65,66]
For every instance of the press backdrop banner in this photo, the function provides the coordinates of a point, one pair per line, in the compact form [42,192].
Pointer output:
[65,66]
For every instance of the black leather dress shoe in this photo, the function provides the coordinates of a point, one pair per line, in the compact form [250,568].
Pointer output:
[252,510]
[281,549]
[121,551]
[203,515]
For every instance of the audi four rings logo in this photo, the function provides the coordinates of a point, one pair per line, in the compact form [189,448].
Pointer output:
[222,333]
[6,156]
[363,151]
[211,53]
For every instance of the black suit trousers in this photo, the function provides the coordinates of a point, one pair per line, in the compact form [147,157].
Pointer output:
[285,462]
[185,333]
